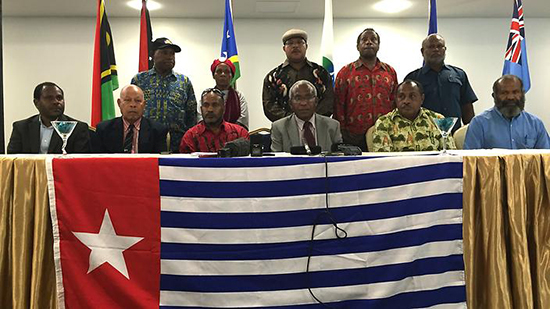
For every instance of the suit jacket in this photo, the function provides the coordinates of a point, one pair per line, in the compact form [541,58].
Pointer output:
[109,136]
[25,137]
[284,133]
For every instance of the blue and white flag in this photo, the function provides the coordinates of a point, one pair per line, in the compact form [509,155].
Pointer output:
[432,20]
[229,42]
[515,59]
[350,232]
[237,233]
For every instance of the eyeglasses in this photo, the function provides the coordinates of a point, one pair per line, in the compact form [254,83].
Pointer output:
[302,99]
[216,91]
[297,42]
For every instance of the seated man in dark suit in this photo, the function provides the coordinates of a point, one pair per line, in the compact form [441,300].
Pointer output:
[304,125]
[36,134]
[131,133]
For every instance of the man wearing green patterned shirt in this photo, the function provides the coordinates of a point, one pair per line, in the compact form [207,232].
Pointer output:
[169,96]
[409,127]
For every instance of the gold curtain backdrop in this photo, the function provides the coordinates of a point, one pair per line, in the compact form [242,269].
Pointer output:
[506,232]
[27,274]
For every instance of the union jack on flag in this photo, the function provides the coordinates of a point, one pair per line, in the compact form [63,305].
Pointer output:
[515,59]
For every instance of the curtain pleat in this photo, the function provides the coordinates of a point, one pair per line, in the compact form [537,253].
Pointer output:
[26,264]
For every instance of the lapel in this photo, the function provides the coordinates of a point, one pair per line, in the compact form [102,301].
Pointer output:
[34,135]
[292,131]
[118,136]
[56,142]
[143,137]
[320,130]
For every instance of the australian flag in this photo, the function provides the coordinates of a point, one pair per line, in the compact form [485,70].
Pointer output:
[515,59]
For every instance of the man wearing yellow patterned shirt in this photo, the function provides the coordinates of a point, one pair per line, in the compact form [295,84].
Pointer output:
[409,127]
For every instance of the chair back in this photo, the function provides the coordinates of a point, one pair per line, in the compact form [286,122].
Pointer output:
[459,136]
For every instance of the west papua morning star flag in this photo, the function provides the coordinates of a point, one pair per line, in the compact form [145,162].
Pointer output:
[515,59]
[236,233]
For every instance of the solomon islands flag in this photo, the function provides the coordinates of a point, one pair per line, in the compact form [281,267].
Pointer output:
[229,42]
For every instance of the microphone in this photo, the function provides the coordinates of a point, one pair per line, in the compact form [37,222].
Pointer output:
[235,148]
[345,149]
[301,150]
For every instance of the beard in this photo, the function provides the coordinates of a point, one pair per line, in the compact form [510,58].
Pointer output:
[511,108]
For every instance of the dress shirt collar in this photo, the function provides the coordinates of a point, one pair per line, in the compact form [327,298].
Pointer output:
[300,122]
[395,114]
[203,127]
[497,111]
[137,124]
[287,63]
[42,125]
[154,72]
[358,63]
[426,68]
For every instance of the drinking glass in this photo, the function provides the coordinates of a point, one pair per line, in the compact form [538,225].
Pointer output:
[64,129]
[445,126]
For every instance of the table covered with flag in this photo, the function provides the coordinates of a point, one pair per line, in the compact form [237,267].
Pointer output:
[258,233]
[176,239]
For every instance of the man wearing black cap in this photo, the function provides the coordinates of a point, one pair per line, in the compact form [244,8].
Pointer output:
[296,67]
[169,95]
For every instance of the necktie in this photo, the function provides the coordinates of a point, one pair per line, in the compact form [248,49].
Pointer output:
[308,134]
[129,139]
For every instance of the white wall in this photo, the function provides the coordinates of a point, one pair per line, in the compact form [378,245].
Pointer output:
[61,50]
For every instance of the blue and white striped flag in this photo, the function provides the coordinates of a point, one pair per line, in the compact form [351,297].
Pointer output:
[237,233]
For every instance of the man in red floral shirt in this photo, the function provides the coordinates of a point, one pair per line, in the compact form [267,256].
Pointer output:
[211,134]
[364,90]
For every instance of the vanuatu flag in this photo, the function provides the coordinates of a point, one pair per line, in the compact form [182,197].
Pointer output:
[229,43]
[105,78]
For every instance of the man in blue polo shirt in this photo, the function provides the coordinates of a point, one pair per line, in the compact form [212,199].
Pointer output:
[446,87]
[507,125]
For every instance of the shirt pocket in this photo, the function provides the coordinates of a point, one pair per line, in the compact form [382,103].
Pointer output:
[530,143]
[455,84]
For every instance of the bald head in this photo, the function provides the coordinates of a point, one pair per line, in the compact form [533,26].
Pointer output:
[131,103]
[433,50]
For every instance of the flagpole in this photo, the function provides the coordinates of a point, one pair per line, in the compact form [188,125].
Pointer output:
[327,40]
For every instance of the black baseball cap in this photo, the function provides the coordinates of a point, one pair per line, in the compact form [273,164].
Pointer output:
[161,43]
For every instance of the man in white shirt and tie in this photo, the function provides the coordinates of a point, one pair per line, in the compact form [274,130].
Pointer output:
[304,126]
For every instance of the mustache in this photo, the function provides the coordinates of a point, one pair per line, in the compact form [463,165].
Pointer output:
[519,102]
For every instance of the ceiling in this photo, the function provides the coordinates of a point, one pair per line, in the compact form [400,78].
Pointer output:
[273,8]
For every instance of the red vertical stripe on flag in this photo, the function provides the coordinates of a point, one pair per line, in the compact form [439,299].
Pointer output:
[129,190]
